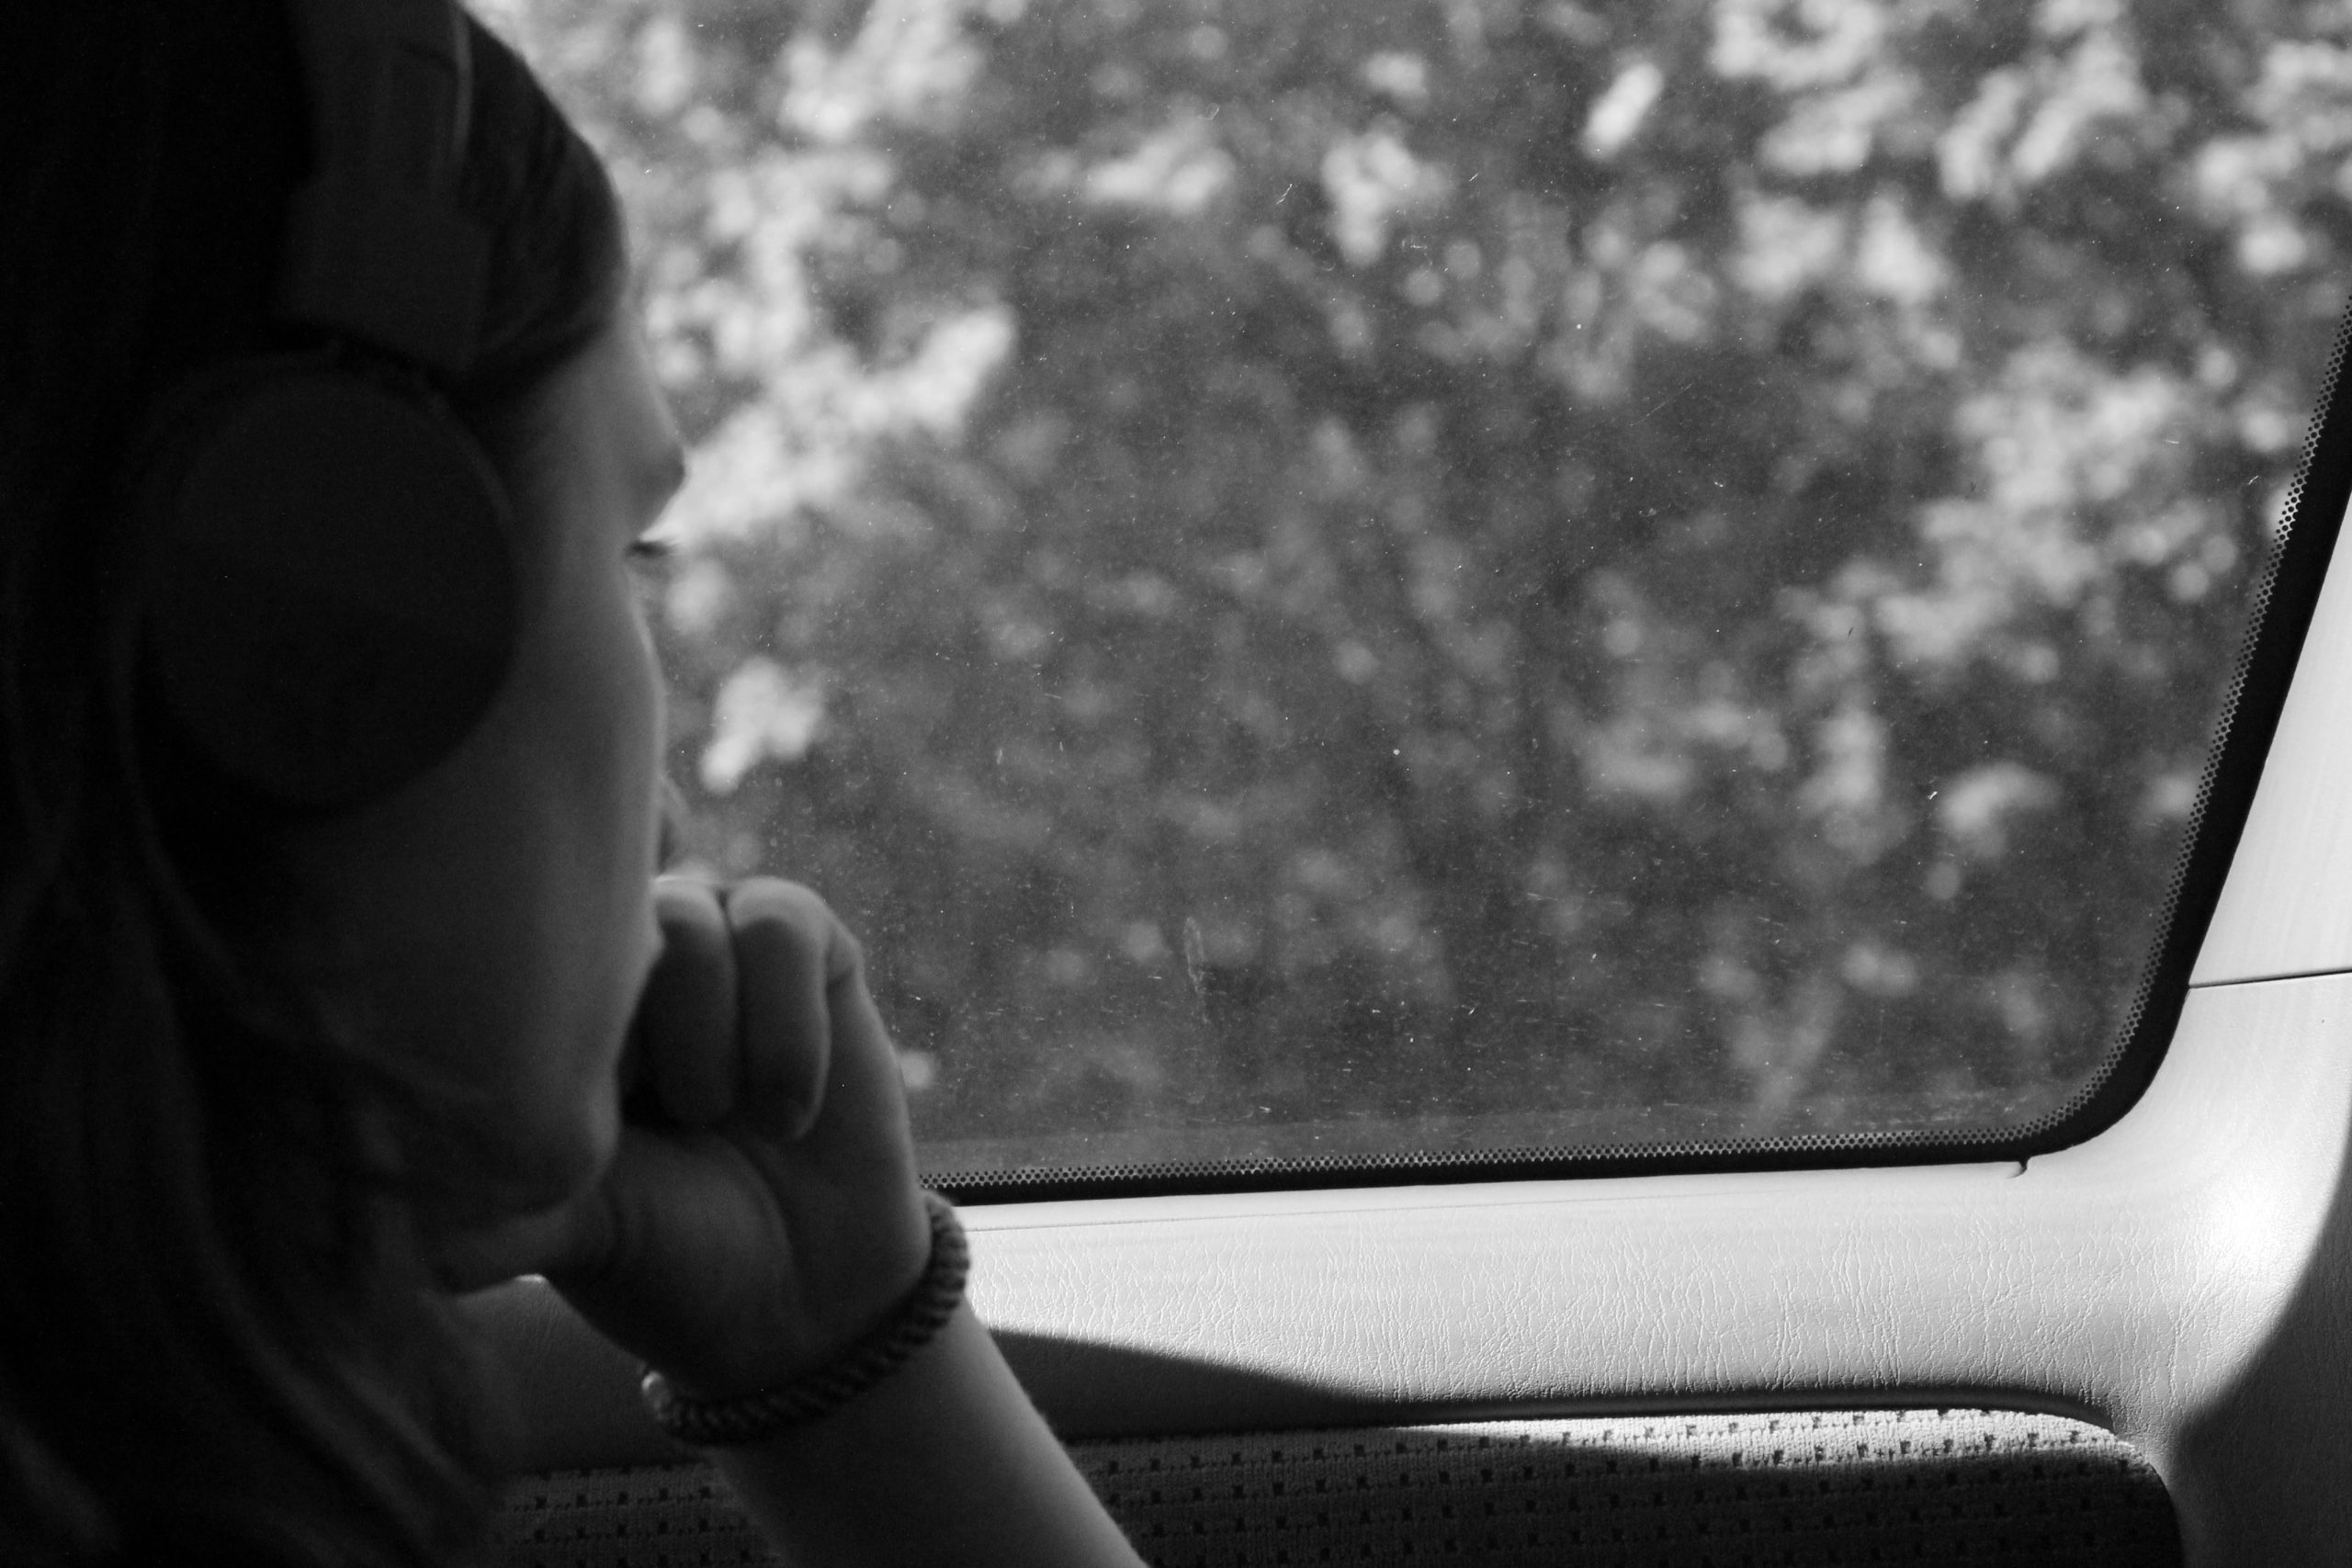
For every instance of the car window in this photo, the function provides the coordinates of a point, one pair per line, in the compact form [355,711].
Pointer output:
[1360,587]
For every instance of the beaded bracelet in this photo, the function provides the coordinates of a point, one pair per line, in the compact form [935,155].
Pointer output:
[754,1418]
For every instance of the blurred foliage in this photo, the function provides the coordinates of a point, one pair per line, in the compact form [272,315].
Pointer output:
[1318,574]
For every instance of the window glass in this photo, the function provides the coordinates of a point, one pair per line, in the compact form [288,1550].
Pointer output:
[1334,578]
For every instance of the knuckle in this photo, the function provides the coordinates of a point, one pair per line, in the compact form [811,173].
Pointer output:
[686,905]
[775,898]
[845,956]
[783,913]
[680,884]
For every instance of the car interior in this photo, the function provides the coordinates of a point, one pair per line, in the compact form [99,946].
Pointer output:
[2065,1357]
[2111,1323]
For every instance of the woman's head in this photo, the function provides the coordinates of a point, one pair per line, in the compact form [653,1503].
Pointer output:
[190,1097]
[494,917]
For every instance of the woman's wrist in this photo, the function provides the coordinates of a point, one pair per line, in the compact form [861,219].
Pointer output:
[704,1419]
[946,1462]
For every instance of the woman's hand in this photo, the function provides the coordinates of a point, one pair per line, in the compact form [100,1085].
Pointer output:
[761,1212]
[762,1215]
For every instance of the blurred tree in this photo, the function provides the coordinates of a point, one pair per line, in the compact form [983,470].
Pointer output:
[1479,572]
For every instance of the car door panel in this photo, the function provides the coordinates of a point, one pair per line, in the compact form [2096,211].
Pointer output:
[2178,1279]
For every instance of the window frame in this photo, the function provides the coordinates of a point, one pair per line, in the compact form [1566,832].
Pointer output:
[2206,933]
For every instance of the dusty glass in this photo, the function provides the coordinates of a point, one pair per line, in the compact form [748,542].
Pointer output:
[1324,579]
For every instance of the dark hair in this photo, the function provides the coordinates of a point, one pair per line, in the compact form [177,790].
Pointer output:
[217,1337]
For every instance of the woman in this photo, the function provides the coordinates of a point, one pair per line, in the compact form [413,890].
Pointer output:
[276,1081]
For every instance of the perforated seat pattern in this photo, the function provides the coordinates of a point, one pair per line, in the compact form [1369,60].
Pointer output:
[1883,1486]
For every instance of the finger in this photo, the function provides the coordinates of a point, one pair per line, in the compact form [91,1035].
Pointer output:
[864,1068]
[687,1018]
[785,939]
[675,816]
